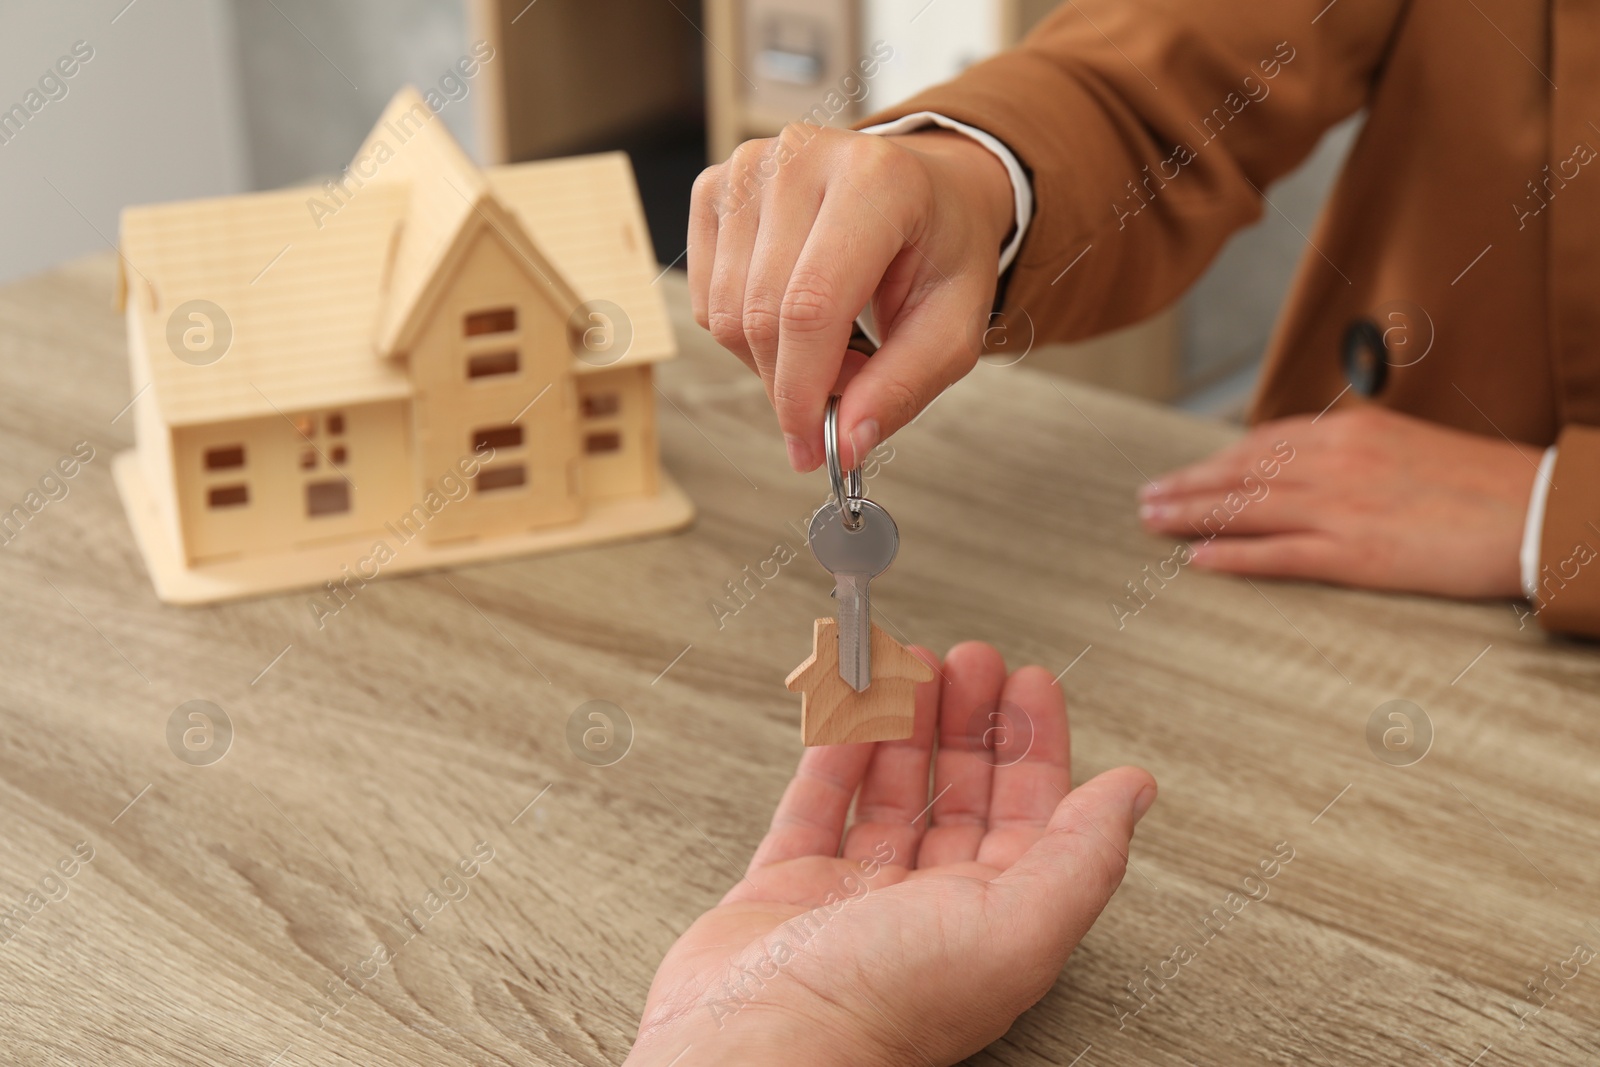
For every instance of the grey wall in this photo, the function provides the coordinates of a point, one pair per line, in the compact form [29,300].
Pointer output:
[152,116]
[191,98]
[315,76]
[1229,313]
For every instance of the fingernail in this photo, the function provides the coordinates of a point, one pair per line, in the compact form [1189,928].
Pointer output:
[1153,512]
[1151,490]
[799,453]
[864,438]
[1142,802]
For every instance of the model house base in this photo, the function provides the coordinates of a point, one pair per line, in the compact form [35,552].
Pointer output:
[358,560]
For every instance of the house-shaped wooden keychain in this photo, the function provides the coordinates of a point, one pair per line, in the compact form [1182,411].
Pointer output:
[832,713]
[417,364]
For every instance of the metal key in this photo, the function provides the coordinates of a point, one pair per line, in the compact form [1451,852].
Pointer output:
[854,558]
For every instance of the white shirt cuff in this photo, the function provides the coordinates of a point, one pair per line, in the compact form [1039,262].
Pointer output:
[1021,188]
[1533,528]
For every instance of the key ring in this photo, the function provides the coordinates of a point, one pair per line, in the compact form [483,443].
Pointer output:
[847,496]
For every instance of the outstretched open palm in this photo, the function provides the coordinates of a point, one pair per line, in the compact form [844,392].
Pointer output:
[921,932]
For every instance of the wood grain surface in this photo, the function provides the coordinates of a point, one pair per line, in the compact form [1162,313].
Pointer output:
[431,726]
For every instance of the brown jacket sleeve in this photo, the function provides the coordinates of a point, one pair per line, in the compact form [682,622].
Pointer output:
[1150,128]
[1568,596]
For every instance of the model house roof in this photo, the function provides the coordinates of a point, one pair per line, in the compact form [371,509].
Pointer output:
[449,203]
[324,288]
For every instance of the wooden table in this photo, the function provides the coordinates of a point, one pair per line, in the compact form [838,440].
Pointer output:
[371,756]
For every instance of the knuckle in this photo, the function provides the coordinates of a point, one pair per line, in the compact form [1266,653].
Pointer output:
[1297,558]
[873,157]
[748,154]
[761,323]
[797,135]
[1110,867]
[740,180]
[1103,867]
[808,303]
[727,326]
[789,402]
[1356,422]
[1355,417]
[747,160]
[826,137]
[708,184]
[1341,435]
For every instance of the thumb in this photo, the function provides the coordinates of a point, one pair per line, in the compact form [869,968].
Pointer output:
[1068,876]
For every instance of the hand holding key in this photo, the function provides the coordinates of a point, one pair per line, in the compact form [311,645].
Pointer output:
[779,269]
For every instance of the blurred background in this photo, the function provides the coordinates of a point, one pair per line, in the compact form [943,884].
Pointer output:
[189,98]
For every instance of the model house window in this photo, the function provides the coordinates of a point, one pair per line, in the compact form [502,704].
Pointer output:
[224,458]
[305,425]
[338,455]
[336,423]
[508,477]
[606,441]
[308,459]
[599,405]
[228,496]
[327,498]
[497,437]
[494,320]
[491,364]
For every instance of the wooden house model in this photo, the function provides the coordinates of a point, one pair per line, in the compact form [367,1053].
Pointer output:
[417,364]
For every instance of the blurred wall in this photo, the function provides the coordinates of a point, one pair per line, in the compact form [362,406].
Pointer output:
[315,75]
[151,114]
[192,98]
[1229,313]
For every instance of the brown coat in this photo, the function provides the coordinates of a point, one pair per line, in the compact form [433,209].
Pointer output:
[1151,128]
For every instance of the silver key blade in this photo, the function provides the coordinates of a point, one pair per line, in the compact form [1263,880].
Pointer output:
[854,557]
[855,630]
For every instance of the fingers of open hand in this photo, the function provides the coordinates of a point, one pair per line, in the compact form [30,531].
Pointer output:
[1221,470]
[1064,881]
[810,817]
[1244,509]
[894,793]
[1319,556]
[1033,765]
[974,678]
[1238,490]
[1261,456]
